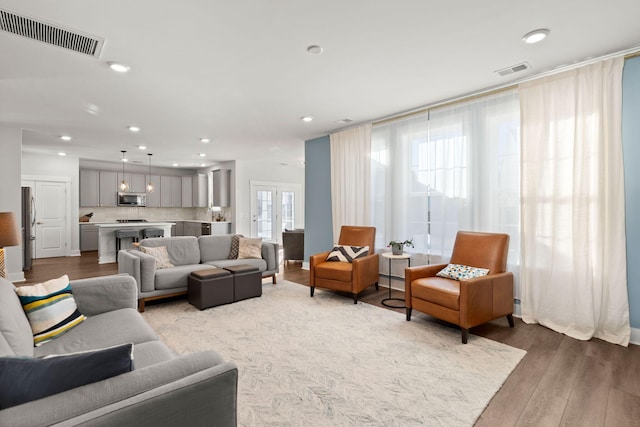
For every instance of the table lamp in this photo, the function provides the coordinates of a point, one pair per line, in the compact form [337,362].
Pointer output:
[9,236]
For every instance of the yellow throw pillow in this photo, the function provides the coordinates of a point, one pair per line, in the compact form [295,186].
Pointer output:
[159,254]
[250,248]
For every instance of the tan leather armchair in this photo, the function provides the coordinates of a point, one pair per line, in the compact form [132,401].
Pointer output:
[468,302]
[344,276]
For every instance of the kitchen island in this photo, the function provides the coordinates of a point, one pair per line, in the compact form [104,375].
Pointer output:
[107,237]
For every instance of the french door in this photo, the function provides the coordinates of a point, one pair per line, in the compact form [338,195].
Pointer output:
[274,207]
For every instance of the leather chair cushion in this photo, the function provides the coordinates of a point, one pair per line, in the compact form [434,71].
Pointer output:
[444,292]
[335,271]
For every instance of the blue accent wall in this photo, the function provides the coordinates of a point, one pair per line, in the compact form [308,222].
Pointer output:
[318,223]
[631,153]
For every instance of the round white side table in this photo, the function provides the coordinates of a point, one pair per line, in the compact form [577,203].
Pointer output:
[392,257]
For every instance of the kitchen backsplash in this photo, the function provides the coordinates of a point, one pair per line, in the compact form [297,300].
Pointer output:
[150,214]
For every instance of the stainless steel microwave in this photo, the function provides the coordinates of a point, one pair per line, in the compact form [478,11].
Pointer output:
[132,199]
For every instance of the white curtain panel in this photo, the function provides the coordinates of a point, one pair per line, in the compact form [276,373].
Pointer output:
[455,168]
[573,256]
[350,174]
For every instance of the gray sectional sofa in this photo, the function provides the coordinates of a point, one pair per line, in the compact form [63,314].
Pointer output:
[163,389]
[187,254]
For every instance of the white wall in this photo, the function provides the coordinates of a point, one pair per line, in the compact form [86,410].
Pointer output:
[258,170]
[10,194]
[46,166]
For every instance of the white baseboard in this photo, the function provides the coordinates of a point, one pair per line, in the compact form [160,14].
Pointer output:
[305,265]
[16,277]
[635,336]
[75,253]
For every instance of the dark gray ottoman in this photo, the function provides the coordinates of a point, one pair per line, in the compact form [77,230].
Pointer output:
[211,287]
[247,281]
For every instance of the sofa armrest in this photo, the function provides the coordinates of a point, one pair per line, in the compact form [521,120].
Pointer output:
[196,389]
[270,251]
[139,265]
[106,293]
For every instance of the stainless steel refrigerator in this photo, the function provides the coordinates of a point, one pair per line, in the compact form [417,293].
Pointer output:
[28,222]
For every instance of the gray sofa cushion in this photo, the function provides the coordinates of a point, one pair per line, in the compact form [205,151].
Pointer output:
[182,250]
[214,247]
[150,353]
[176,277]
[100,331]
[14,326]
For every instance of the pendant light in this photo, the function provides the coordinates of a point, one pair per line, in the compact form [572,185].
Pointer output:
[124,185]
[150,186]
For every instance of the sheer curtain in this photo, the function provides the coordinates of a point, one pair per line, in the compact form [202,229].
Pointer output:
[453,168]
[350,166]
[573,270]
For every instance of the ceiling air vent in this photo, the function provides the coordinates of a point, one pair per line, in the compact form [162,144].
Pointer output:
[51,34]
[513,69]
[344,121]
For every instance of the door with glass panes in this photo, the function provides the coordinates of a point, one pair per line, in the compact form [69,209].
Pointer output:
[274,208]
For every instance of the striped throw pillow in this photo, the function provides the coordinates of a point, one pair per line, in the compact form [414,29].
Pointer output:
[50,308]
[346,253]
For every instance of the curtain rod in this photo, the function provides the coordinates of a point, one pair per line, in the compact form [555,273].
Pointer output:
[628,53]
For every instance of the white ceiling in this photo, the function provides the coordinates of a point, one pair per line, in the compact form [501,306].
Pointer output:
[237,71]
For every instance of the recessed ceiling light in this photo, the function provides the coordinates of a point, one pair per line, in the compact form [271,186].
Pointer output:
[535,36]
[203,165]
[118,67]
[202,155]
[315,49]
[142,147]
[134,128]
[62,154]
[65,137]
[306,118]
[205,140]
[174,165]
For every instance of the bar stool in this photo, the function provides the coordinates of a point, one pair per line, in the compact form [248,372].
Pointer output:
[152,232]
[134,235]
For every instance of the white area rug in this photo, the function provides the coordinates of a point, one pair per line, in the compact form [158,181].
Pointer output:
[324,361]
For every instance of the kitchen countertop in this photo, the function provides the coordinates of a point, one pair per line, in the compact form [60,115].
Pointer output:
[132,224]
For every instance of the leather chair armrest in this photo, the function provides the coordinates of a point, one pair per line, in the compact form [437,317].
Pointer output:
[313,261]
[485,298]
[366,271]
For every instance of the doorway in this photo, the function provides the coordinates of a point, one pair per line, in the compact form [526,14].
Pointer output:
[275,207]
[51,216]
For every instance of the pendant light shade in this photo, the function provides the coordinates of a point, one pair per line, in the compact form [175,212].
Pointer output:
[124,185]
[150,186]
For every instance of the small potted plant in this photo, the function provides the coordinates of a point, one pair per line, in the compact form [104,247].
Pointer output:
[398,247]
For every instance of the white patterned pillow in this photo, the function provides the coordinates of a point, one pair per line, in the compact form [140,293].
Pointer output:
[461,272]
[159,254]
[346,253]
[250,248]
[50,308]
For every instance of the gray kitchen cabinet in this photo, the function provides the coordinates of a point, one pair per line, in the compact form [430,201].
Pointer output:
[137,182]
[89,188]
[222,187]
[177,229]
[153,198]
[187,191]
[88,237]
[108,188]
[170,191]
[192,229]
[200,191]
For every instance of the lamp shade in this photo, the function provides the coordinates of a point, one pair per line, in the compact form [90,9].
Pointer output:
[9,234]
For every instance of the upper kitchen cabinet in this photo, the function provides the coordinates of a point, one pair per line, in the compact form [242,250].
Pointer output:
[222,188]
[170,191]
[200,191]
[89,188]
[108,188]
[187,191]
[137,182]
[153,198]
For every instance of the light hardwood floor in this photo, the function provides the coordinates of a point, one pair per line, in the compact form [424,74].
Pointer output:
[560,381]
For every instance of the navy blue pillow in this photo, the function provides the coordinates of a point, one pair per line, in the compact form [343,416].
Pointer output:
[23,379]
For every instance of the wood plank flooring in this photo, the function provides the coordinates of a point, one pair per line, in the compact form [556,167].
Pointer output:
[560,382]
